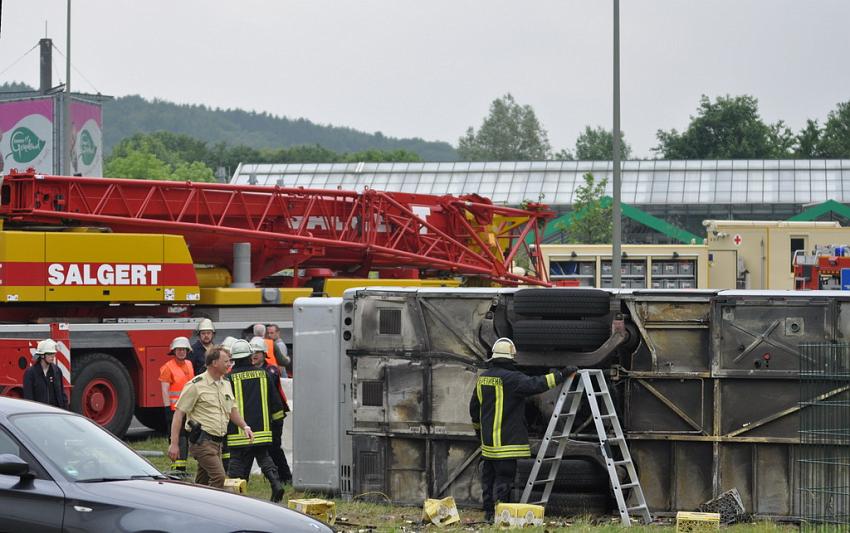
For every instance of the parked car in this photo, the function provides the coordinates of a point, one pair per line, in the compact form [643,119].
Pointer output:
[60,471]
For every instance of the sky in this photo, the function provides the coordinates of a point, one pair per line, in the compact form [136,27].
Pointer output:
[431,68]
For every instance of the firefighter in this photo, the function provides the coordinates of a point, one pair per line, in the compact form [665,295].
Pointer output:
[497,409]
[173,375]
[43,380]
[206,332]
[257,398]
[206,405]
[261,360]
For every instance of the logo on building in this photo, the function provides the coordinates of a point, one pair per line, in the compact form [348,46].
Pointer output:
[25,145]
[88,148]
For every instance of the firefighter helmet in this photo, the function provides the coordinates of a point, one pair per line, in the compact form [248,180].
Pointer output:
[179,342]
[205,325]
[504,347]
[240,349]
[227,343]
[45,347]
[258,345]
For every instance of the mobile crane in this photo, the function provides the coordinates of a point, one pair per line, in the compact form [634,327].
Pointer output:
[118,268]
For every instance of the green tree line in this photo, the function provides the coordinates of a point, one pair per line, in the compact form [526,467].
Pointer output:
[165,155]
[728,127]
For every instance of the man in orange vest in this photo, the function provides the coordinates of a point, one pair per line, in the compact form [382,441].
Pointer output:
[173,375]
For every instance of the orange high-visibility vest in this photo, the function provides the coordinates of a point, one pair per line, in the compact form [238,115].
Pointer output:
[270,360]
[180,374]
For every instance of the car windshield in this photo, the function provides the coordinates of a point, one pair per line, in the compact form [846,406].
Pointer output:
[80,449]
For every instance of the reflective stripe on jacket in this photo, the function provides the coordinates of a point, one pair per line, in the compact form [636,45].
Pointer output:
[257,399]
[497,408]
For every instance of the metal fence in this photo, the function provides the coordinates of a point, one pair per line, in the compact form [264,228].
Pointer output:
[824,453]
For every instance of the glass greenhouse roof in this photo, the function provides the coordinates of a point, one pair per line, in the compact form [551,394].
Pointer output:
[650,182]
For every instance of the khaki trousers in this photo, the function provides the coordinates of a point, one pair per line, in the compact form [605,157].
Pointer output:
[210,467]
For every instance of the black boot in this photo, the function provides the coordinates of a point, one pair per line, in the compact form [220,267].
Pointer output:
[277,491]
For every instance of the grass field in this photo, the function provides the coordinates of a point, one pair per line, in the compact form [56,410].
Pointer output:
[362,516]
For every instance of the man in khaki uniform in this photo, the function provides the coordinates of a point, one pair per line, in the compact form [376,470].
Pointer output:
[208,400]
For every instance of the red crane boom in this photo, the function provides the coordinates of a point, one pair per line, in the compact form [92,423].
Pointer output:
[296,228]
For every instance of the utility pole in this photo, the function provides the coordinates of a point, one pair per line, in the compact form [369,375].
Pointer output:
[616,255]
[66,103]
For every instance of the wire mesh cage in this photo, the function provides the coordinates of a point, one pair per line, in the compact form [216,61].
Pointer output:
[824,454]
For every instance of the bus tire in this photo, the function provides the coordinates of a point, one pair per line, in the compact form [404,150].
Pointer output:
[574,335]
[562,303]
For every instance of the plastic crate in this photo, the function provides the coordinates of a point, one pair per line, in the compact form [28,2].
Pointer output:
[319,509]
[687,522]
[518,515]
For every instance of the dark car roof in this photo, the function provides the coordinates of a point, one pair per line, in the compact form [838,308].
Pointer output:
[12,406]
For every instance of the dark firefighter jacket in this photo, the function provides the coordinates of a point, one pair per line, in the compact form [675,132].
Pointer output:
[45,388]
[258,401]
[198,356]
[497,408]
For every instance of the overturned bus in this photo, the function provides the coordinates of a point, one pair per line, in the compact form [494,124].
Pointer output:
[706,382]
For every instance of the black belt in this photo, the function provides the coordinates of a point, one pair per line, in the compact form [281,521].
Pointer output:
[214,438]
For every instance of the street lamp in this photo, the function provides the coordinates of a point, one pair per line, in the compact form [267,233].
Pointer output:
[616,229]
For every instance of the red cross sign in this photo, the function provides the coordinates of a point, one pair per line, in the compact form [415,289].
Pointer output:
[737,239]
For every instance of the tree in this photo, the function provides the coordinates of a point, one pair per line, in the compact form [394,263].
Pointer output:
[511,132]
[591,222]
[835,142]
[729,128]
[597,144]
[136,164]
[808,144]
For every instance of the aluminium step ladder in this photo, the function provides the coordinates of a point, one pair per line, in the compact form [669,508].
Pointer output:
[588,384]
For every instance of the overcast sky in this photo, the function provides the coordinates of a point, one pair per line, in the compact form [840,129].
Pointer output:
[431,68]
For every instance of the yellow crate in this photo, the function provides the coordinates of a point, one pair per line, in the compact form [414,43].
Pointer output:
[235,484]
[319,509]
[687,522]
[513,515]
[440,512]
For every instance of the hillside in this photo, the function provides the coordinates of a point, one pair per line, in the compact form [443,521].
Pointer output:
[127,115]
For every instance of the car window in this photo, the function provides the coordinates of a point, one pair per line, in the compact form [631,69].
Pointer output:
[8,444]
[81,449]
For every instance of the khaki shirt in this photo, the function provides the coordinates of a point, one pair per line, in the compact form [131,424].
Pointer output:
[208,402]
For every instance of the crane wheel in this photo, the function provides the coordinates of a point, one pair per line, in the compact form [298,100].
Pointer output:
[103,391]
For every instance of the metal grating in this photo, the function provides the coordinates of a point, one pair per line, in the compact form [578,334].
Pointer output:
[824,457]
[373,393]
[389,321]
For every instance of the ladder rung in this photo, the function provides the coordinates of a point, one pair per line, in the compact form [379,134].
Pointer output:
[635,508]
[538,502]
[542,481]
[624,462]
[549,459]
[608,416]
[630,485]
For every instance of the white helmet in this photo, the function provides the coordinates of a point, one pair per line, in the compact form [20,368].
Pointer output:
[179,342]
[258,345]
[504,347]
[240,349]
[45,347]
[227,343]
[205,325]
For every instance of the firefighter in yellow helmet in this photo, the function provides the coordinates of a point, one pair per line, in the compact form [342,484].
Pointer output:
[497,409]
